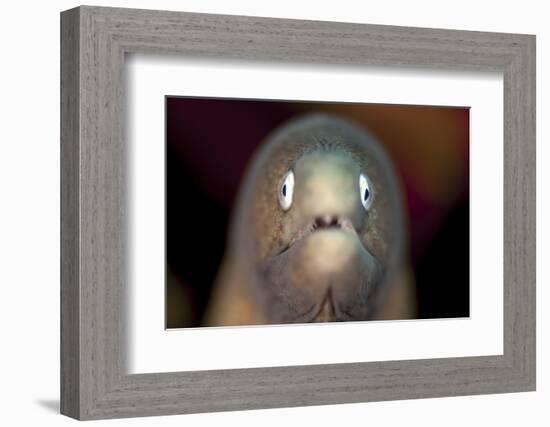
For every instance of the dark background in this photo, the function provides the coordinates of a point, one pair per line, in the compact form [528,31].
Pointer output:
[208,144]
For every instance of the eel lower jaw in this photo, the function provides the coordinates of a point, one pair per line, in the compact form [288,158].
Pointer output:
[328,311]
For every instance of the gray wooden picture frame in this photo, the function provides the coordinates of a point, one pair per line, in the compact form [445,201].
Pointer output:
[94,41]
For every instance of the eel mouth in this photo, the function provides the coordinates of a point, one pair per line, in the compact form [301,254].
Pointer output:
[320,223]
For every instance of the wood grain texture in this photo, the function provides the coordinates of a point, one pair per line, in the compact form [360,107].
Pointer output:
[70,220]
[94,382]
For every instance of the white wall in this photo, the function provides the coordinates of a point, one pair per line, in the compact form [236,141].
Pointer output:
[29,211]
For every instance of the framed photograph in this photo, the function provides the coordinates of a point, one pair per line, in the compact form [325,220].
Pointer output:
[261,213]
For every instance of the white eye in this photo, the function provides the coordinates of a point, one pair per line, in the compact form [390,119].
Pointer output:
[365,191]
[286,191]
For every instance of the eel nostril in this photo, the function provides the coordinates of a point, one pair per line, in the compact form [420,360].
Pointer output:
[321,221]
[326,221]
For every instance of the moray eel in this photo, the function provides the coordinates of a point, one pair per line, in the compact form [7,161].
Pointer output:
[317,233]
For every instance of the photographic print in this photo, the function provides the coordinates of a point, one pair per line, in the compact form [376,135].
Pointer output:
[281,212]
